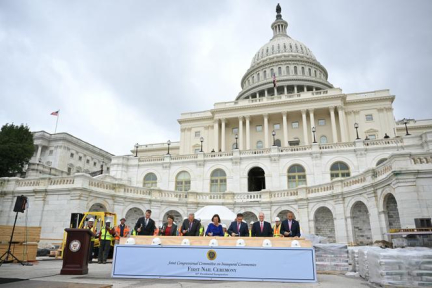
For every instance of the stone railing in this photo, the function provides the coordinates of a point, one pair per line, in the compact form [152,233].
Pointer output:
[422,159]
[335,146]
[152,159]
[218,155]
[383,142]
[293,193]
[255,152]
[249,196]
[62,181]
[184,157]
[320,189]
[101,185]
[137,191]
[295,149]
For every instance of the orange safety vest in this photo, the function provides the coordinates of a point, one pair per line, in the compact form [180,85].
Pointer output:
[125,232]
[156,232]
[276,231]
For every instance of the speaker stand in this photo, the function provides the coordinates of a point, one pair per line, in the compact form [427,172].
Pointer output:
[9,253]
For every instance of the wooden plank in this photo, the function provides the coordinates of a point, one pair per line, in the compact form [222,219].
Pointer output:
[21,234]
[24,252]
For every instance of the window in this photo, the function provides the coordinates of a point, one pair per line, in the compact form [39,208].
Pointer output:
[218,181]
[296,176]
[258,77]
[79,158]
[278,143]
[310,72]
[259,144]
[339,170]
[69,171]
[303,71]
[265,74]
[271,72]
[295,70]
[372,136]
[88,161]
[235,130]
[183,181]
[72,155]
[315,73]
[197,150]
[94,164]
[295,125]
[51,152]
[258,128]
[276,126]
[323,139]
[197,134]
[253,79]
[287,70]
[150,180]
[279,71]
[321,122]
[369,117]
[381,161]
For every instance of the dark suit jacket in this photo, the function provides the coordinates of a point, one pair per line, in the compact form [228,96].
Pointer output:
[267,230]
[194,231]
[145,230]
[295,228]
[173,231]
[244,230]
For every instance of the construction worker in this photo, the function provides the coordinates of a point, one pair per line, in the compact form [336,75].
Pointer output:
[121,231]
[277,227]
[91,227]
[201,229]
[250,228]
[224,228]
[105,237]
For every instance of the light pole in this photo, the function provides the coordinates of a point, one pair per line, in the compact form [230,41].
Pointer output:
[274,141]
[406,126]
[313,131]
[136,149]
[201,140]
[236,137]
[356,127]
[168,143]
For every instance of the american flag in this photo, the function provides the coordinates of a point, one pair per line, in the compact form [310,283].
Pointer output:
[55,113]
[274,80]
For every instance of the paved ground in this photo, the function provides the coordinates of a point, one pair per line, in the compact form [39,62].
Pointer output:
[46,273]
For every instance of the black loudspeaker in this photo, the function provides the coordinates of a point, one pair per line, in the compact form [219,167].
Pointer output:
[20,204]
[76,219]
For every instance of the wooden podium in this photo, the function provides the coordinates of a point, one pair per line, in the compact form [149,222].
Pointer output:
[75,253]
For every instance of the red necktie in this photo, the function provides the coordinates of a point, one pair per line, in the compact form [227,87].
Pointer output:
[261,227]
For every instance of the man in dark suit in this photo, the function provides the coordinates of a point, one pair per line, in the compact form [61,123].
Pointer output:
[238,227]
[145,225]
[190,226]
[290,227]
[262,228]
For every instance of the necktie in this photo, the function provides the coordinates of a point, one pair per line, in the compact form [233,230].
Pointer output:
[238,228]
[289,224]
[190,226]
[261,227]
[146,222]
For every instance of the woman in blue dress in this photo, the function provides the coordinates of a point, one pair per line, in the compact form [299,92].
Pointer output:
[215,228]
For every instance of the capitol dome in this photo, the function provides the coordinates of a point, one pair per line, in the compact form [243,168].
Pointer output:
[288,61]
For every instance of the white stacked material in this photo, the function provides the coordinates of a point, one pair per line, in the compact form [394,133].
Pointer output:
[353,258]
[363,265]
[409,267]
[331,257]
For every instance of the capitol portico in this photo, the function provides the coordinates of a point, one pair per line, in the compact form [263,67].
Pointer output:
[290,141]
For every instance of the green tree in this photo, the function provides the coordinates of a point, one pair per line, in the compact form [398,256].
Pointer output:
[16,149]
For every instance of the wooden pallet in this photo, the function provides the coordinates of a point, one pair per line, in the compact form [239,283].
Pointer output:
[21,234]
[24,252]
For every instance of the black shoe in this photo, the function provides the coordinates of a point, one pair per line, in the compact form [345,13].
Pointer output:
[104,262]
[99,262]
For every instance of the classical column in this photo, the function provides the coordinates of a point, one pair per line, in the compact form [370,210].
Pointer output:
[305,128]
[223,144]
[305,88]
[312,119]
[285,128]
[247,132]
[333,124]
[39,151]
[182,140]
[295,88]
[391,122]
[275,91]
[240,132]
[266,142]
[285,90]
[257,94]
[216,134]
[265,91]
[341,113]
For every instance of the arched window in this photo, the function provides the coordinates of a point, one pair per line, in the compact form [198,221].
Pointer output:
[265,74]
[258,77]
[150,180]
[218,181]
[303,71]
[278,143]
[339,170]
[296,176]
[295,70]
[279,71]
[259,144]
[315,73]
[310,72]
[381,161]
[287,70]
[253,79]
[323,139]
[271,72]
[183,181]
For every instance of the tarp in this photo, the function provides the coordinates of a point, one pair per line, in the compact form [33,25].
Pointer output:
[207,212]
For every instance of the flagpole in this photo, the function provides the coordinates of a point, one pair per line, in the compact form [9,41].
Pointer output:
[58,115]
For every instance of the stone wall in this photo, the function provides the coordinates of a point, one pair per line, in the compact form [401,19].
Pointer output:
[361,224]
[324,224]
[391,207]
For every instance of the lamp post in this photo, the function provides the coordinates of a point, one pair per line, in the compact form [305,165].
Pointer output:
[274,141]
[236,137]
[136,149]
[168,143]
[201,140]
[405,121]
[356,127]
[313,131]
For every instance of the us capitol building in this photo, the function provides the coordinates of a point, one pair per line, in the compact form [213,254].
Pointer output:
[290,141]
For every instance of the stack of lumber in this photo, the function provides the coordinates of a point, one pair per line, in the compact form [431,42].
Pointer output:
[24,243]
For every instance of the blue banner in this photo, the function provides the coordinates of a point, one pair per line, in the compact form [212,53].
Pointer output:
[215,263]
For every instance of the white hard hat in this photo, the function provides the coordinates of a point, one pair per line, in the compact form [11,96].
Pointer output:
[185,242]
[267,243]
[130,241]
[277,219]
[241,243]
[295,243]
[213,242]
[224,226]
[91,220]
[156,241]
[251,222]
